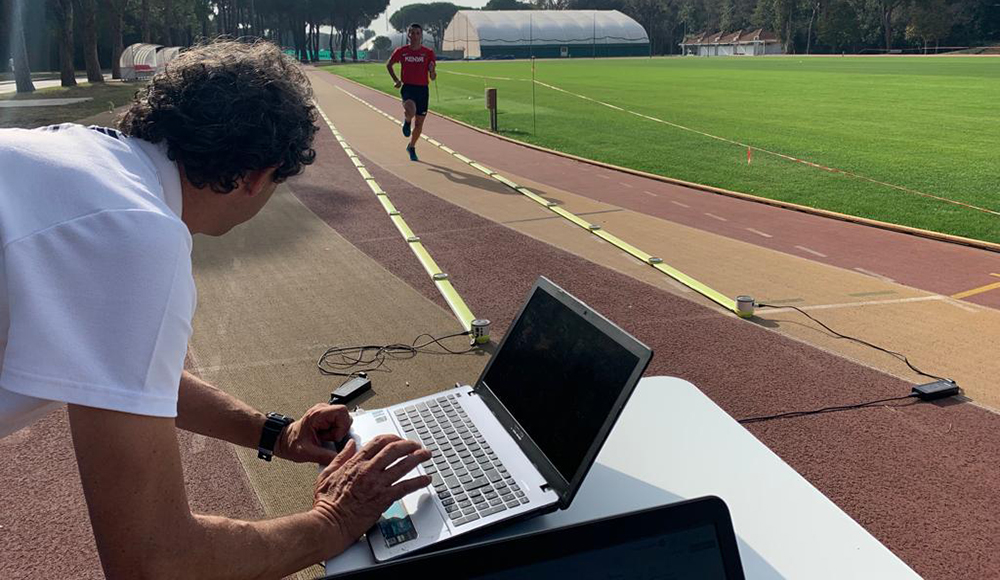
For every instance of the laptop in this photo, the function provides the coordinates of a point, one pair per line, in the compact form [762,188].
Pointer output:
[691,539]
[519,442]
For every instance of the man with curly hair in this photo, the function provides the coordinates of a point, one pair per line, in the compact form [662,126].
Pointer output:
[96,302]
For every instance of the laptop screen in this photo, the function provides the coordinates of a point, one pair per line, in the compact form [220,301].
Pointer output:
[688,539]
[559,375]
[688,553]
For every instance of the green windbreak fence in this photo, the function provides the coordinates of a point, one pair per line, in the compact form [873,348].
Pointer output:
[325,54]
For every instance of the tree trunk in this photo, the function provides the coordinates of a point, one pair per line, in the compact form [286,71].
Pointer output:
[314,39]
[88,13]
[116,16]
[887,25]
[22,72]
[343,44]
[168,23]
[64,18]
[333,55]
[147,36]
[809,32]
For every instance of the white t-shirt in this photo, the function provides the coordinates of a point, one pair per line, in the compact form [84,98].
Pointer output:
[96,291]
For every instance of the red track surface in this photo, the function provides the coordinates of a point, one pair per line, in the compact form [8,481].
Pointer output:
[44,527]
[920,477]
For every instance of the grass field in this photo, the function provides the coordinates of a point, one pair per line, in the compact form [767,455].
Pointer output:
[103,97]
[926,124]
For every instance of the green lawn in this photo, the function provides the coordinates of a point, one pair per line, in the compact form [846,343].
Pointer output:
[103,97]
[928,124]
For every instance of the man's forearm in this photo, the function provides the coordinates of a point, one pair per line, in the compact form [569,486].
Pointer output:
[204,409]
[264,549]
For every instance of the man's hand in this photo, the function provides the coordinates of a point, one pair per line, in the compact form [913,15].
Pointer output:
[398,84]
[357,486]
[302,441]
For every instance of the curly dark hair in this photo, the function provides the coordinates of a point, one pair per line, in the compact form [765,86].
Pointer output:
[226,108]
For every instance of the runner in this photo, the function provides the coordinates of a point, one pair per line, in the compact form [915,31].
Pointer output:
[417,62]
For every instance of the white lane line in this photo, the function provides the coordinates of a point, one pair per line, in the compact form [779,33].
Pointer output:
[813,252]
[874,275]
[966,306]
[623,184]
[602,176]
[679,203]
[854,304]
[650,193]
[718,217]
[760,233]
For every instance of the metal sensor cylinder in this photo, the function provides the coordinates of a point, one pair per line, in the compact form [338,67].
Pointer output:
[744,306]
[480,331]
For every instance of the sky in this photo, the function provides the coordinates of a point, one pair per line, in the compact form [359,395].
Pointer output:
[382,28]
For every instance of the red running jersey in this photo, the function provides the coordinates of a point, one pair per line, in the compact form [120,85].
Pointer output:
[415,63]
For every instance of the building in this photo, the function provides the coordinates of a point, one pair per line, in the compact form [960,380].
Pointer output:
[544,34]
[740,43]
[144,60]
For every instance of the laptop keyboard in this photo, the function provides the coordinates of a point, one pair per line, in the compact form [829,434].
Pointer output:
[468,478]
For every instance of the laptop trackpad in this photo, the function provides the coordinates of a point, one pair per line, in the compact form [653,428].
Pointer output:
[410,523]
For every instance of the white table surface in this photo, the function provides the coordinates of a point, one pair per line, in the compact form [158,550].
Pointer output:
[673,443]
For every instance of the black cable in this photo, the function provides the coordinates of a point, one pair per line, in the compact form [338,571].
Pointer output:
[336,360]
[791,414]
[897,355]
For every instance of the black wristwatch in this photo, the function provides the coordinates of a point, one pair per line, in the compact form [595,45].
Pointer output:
[273,427]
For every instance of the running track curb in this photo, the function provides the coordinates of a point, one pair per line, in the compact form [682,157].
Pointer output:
[983,245]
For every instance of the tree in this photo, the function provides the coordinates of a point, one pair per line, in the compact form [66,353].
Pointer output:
[886,9]
[651,14]
[381,43]
[814,7]
[22,73]
[735,14]
[837,26]
[511,5]
[62,14]
[688,18]
[115,10]
[88,14]
[147,35]
[930,21]
[434,17]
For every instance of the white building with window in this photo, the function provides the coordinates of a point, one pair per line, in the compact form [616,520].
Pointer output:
[740,43]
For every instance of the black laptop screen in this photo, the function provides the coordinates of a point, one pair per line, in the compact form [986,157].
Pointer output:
[559,375]
[677,555]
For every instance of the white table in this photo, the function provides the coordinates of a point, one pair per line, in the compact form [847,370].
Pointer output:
[673,443]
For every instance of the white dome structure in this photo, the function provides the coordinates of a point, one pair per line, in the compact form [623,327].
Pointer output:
[544,34]
[144,60]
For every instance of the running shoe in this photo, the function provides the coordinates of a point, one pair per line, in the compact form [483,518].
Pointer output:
[406,128]
[413,153]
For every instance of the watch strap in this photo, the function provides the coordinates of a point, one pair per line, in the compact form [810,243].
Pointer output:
[273,427]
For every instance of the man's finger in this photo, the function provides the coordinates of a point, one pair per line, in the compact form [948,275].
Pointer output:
[373,447]
[318,453]
[393,451]
[406,464]
[408,486]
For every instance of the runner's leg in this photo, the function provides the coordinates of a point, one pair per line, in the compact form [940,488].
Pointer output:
[418,127]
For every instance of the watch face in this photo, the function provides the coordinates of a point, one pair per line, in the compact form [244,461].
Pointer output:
[279,417]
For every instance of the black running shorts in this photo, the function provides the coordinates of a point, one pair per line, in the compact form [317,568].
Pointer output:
[419,94]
